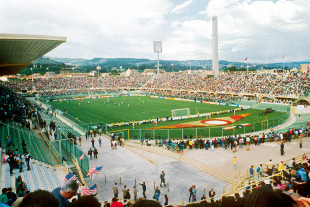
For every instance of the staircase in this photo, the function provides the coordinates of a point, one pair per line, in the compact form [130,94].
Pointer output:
[183,158]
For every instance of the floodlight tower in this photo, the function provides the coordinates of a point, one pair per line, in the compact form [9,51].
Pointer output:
[215,55]
[157,49]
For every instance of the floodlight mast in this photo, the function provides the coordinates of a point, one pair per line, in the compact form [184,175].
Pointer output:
[157,49]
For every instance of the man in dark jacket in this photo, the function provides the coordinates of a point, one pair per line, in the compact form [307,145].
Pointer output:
[66,192]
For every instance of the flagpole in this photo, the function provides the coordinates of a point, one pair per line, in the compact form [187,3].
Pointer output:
[283,61]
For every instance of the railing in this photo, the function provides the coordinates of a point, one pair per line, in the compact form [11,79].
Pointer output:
[202,132]
[76,164]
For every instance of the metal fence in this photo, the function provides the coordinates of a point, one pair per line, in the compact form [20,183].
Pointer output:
[203,132]
[50,152]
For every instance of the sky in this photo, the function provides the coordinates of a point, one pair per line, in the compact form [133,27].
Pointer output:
[263,31]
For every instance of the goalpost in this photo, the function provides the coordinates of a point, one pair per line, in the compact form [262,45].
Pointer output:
[180,112]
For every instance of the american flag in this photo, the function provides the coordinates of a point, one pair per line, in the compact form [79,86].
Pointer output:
[94,171]
[70,176]
[82,157]
[89,191]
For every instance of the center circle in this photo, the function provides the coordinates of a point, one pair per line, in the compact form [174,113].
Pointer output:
[216,122]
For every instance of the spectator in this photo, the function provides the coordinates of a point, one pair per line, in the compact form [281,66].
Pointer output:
[66,192]
[39,198]
[87,201]
[3,197]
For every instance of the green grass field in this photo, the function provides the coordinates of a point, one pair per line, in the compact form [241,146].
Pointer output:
[133,108]
[137,108]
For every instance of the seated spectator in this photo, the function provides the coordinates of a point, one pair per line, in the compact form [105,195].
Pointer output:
[146,203]
[40,198]
[66,192]
[116,203]
[265,197]
[11,196]
[3,197]
[86,201]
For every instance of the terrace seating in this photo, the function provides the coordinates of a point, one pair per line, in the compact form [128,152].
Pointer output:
[26,176]
[7,176]
[41,176]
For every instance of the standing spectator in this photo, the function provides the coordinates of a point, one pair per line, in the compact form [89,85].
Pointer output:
[259,171]
[211,195]
[3,197]
[128,196]
[90,153]
[124,190]
[166,200]
[115,190]
[282,148]
[143,189]
[190,193]
[281,166]
[270,167]
[251,172]
[135,192]
[95,153]
[292,164]
[11,162]
[162,178]
[99,131]
[93,142]
[194,191]
[100,141]
[235,162]
[27,158]
[157,193]
[80,140]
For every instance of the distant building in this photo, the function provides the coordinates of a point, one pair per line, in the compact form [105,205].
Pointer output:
[129,72]
[153,71]
[49,74]
[304,67]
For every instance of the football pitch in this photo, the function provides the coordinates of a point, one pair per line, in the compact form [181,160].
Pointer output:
[137,108]
[129,108]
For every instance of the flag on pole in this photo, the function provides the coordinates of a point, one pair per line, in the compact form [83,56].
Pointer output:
[70,176]
[94,171]
[90,191]
[246,59]
[82,157]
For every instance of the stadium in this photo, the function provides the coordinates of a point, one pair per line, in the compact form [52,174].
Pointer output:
[137,138]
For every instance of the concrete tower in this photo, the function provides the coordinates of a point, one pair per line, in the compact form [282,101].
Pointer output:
[215,55]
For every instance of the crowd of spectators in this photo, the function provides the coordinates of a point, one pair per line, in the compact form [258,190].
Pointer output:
[232,142]
[196,85]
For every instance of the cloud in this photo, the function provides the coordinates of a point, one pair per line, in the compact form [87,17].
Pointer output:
[180,7]
[260,30]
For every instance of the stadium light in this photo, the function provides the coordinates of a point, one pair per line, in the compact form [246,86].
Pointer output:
[98,68]
[157,49]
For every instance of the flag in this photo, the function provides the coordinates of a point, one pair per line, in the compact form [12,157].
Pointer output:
[246,59]
[82,157]
[89,191]
[70,176]
[6,157]
[94,171]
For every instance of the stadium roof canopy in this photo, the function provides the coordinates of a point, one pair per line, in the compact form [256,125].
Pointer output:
[17,51]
